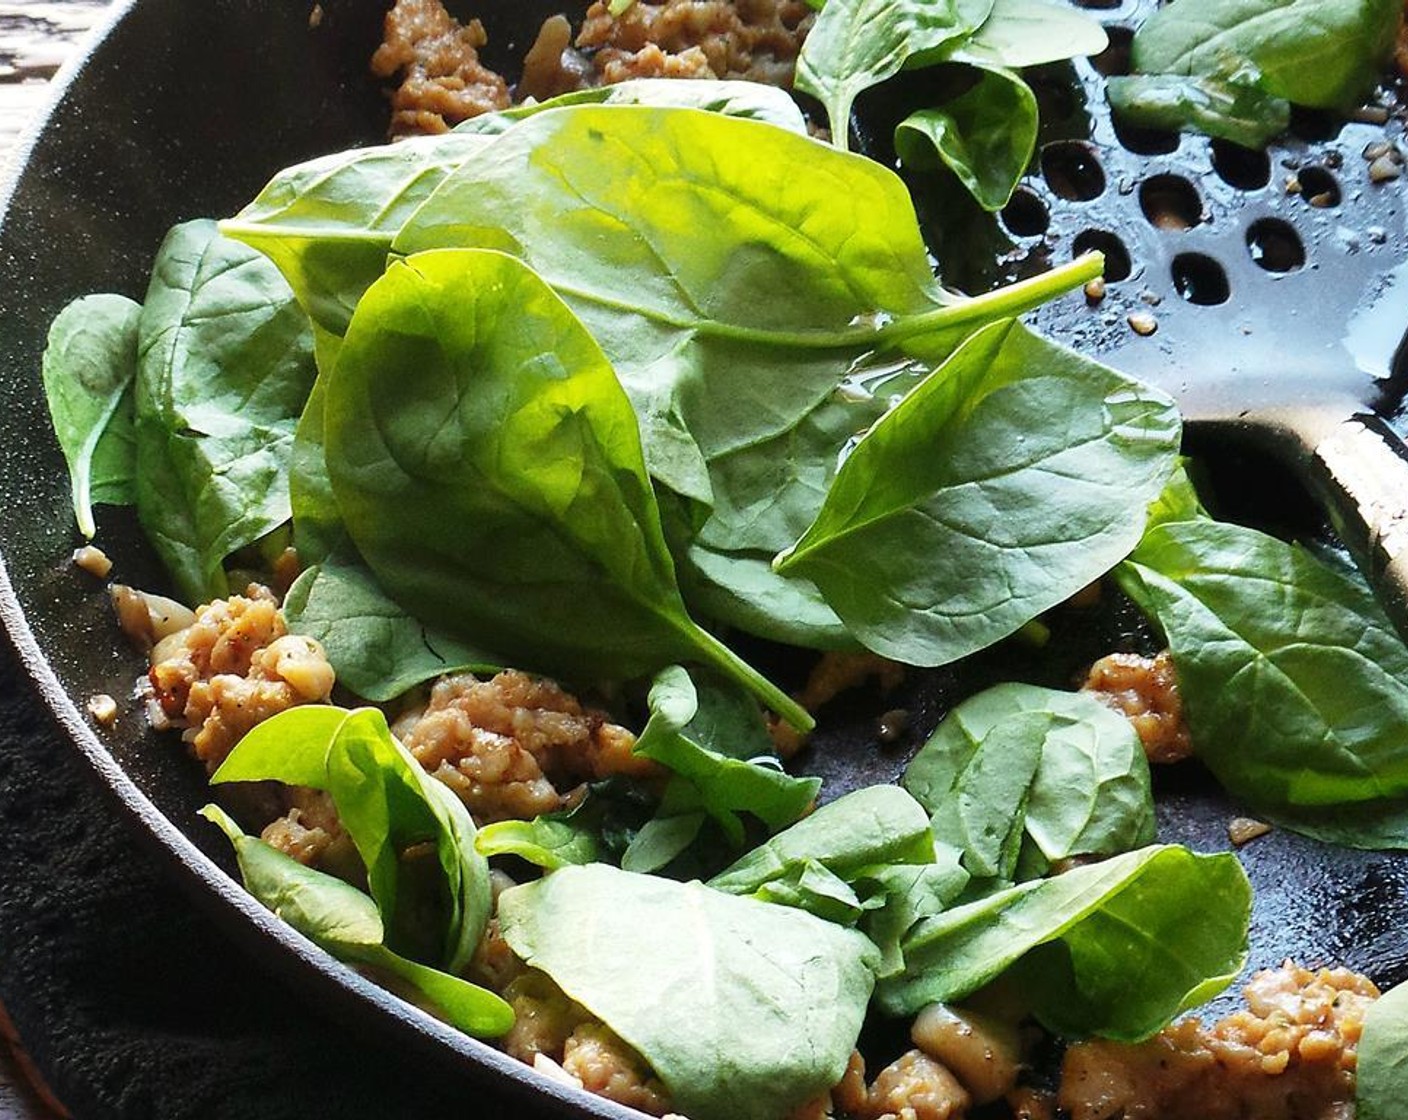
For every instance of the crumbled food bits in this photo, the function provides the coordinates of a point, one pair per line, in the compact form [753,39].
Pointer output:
[915,1085]
[1290,1055]
[1095,290]
[1243,830]
[1370,114]
[315,17]
[103,709]
[1293,184]
[1142,323]
[1087,597]
[93,560]
[1384,169]
[1376,149]
[984,1054]
[554,1072]
[1322,201]
[436,59]
[147,619]
[893,725]
[1144,690]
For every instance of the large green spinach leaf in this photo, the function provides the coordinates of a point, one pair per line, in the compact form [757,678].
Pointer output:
[1382,1076]
[856,44]
[1018,517]
[389,807]
[1294,683]
[225,366]
[500,488]
[1322,53]
[89,365]
[743,1009]
[1059,767]
[1105,950]
[345,922]
[731,294]
[1021,33]
[1231,105]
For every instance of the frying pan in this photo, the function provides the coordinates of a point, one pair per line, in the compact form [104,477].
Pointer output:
[148,131]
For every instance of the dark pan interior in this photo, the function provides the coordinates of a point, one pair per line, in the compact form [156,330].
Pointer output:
[155,128]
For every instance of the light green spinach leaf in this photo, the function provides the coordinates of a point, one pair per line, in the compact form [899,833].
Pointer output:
[1021,33]
[343,921]
[794,986]
[1231,105]
[501,490]
[1382,1078]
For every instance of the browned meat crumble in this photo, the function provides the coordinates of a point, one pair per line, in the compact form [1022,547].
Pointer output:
[1146,690]
[442,81]
[235,666]
[437,60]
[516,746]
[1289,1056]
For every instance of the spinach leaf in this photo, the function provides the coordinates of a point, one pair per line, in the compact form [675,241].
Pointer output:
[753,100]
[811,887]
[741,589]
[1021,33]
[1321,53]
[88,367]
[908,893]
[1058,766]
[328,223]
[1294,683]
[550,842]
[389,806]
[874,826]
[225,365]
[705,782]
[376,648]
[1021,517]
[317,522]
[731,294]
[1232,105]
[1105,949]
[343,921]
[856,44]
[794,986]
[1382,1079]
[501,489]
[985,136]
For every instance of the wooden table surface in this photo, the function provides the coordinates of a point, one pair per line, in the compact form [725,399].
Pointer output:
[36,38]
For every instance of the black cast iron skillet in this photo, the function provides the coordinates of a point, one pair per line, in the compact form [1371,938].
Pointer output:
[184,109]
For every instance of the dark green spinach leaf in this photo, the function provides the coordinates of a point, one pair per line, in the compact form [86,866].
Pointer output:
[1102,950]
[89,364]
[1294,683]
[1022,517]
[225,366]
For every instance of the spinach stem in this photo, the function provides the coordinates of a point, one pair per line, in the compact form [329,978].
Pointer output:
[738,670]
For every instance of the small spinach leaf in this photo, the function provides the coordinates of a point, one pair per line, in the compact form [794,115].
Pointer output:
[985,136]
[1076,779]
[1294,683]
[388,805]
[1023,518]
[794,986]
[705,781]
[1021,33]
[549,842]
[856,44]
[225,366]
[345,922]
[1231,106]
[1078,940]
[501,490]
[89,364]
[1382,1078]
[871,827]
[376,648]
